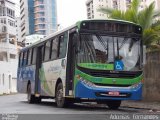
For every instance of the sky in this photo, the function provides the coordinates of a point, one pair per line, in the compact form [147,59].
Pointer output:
[69,11]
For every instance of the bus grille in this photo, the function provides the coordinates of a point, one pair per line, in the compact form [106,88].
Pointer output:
[111,74]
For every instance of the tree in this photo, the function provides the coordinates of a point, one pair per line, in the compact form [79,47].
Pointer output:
[147,18]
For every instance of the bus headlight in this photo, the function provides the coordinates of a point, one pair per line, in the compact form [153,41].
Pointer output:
[86,82]
[135,85]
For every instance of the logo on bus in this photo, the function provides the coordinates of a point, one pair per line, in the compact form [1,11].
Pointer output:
[114,81]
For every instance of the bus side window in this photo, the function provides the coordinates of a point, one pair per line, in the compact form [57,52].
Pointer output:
[20,59]
[24,58]
[47,51]
[29,56]
[62,45]
[54,48]
[34,55]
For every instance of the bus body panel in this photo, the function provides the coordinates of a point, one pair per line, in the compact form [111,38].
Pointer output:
[26,74]
[105,85]
[49,74]
[84,91]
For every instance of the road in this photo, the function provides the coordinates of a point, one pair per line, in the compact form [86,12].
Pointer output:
[17,104]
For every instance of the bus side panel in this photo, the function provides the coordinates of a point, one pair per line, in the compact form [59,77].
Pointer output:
[49,74]
[24,75]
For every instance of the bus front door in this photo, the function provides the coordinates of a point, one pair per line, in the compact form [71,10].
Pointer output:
[70,64]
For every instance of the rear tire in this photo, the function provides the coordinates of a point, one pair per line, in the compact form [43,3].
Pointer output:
[60,100]
[30,97]
[37,100]
[114,104]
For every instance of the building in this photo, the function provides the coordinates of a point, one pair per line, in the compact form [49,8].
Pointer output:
[92,6]
[123,5]
[45,13]
[8,47]
[26,18]
[38,17]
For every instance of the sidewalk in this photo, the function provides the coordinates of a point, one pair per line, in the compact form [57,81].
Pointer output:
[151,106]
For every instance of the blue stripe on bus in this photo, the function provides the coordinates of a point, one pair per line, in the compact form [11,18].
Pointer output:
[84,91]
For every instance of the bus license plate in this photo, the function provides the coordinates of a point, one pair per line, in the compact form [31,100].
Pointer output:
[114,93]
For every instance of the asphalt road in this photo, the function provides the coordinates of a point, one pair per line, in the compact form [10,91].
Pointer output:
[17,104]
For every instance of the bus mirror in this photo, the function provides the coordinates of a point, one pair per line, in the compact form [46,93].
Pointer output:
[144,54]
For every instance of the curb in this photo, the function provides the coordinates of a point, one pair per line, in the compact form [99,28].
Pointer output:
[5,94]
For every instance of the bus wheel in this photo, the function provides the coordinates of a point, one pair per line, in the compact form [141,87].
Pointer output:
[60,100]
[114,104]
[30,97]
[37,100]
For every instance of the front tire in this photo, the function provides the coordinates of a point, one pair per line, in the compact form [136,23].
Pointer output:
[60,100]
[114,104]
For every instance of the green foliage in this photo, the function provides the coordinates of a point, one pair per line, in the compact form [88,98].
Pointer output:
[147,18]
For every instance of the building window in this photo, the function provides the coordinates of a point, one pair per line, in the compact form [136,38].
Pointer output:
[12,56]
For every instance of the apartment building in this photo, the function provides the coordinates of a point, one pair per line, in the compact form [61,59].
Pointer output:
[38,17]
[94,5]
[8,47]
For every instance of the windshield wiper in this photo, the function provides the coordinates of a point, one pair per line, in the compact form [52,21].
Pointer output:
[124,41]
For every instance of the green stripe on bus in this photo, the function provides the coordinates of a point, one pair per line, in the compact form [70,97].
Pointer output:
[103,80]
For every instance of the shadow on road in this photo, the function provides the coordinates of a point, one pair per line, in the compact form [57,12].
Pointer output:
[85,107]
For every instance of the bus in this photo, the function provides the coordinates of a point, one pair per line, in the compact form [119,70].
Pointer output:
[92,60]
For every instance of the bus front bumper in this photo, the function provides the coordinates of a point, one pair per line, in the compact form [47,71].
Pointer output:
[96,92]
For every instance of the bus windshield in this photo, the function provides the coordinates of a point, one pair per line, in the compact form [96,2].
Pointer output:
[102,49]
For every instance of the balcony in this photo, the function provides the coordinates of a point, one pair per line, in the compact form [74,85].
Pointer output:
[42,32]
[39,28]
[39,22]
[37,9]
[37,3]
[4,47]
[39,16]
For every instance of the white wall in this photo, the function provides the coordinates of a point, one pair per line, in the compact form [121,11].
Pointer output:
[8,77]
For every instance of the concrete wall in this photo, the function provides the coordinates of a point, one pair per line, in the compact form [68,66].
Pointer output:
[8,77]
[151,90]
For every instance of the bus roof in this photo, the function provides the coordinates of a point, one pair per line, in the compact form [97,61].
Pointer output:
[113,20]
[48,37]
[72,26]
